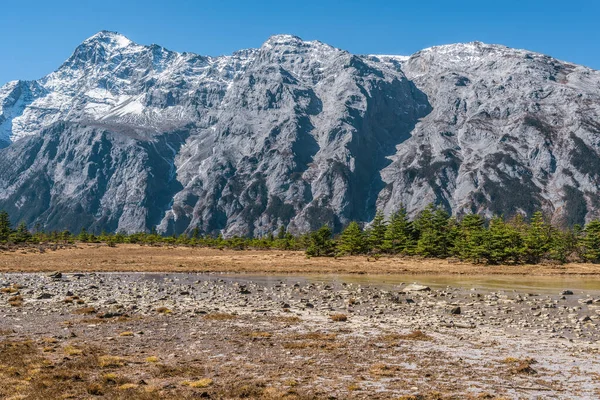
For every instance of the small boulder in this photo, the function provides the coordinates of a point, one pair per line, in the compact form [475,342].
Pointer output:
[415,288]
[54,275]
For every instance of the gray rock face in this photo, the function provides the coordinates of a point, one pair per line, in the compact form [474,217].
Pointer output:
[130,137]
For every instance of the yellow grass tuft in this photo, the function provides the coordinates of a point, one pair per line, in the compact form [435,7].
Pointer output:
[110,361]
[72,351]
[202,383]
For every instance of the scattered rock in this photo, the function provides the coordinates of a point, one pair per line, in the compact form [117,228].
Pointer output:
[455,311]
[415,288]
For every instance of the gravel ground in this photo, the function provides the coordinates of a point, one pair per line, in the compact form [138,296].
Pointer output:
[185,335]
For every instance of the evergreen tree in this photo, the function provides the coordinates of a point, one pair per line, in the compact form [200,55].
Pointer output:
[433,225]
[195,234]
[281,233]
[563,244]
[591,242]
[470,240]
[503,242]
[398,236]
[352,241]
[537,238]
[5,226]
[22,234]
[377,231]
[65,236]
[320,243]
[120,237]
[83,236]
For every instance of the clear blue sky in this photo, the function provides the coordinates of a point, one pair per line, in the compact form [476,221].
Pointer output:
[36,36]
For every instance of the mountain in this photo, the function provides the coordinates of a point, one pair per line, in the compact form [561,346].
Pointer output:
[297,133]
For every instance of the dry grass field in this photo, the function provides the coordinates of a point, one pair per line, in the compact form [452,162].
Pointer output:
[135,258]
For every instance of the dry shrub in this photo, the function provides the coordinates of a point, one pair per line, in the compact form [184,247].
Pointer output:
[259,335]
[384,370]
[178,371]
[312,340]
[95,389]
[85,311]
[415,335]
[219,317]
[286,320]
[31,376]
[339,317]
[16,301]
[315,336]
[521,366]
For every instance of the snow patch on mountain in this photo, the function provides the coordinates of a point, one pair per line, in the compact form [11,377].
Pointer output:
[298,133]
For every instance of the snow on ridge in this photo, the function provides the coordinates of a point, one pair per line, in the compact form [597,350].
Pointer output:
[108,66]
[394,57]
[114,38]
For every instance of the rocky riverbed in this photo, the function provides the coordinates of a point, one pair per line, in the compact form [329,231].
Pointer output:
[184,335]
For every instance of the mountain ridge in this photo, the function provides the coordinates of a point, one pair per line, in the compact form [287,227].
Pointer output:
[296,133]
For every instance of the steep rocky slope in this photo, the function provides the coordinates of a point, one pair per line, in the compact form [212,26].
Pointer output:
[129,137]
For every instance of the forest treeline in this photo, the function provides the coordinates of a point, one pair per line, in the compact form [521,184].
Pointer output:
[433,233]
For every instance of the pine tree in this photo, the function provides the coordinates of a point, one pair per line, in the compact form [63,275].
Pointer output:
[433,225]
[352,241]
[195,234]
[563,244]
[21,235]
[398,236]
[320,243]
[537,238]
[83,237]
[5,226]
[65,236]
[591,242]
[503,242]
[377,231]
[281,233]
[470,240]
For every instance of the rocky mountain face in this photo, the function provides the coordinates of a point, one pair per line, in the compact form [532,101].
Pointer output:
[296,133]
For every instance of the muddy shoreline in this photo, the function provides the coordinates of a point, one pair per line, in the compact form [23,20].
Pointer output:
[283,337]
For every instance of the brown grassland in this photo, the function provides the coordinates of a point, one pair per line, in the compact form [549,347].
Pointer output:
[136,258]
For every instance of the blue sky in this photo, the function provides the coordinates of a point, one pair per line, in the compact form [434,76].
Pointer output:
[38,35]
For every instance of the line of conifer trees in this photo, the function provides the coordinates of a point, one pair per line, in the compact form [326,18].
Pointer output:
[472,238]
[433,233]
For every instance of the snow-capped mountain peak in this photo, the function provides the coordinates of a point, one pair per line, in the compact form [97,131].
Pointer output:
[108,38]
[298,133]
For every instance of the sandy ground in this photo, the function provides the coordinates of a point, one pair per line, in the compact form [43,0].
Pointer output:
[135,258]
